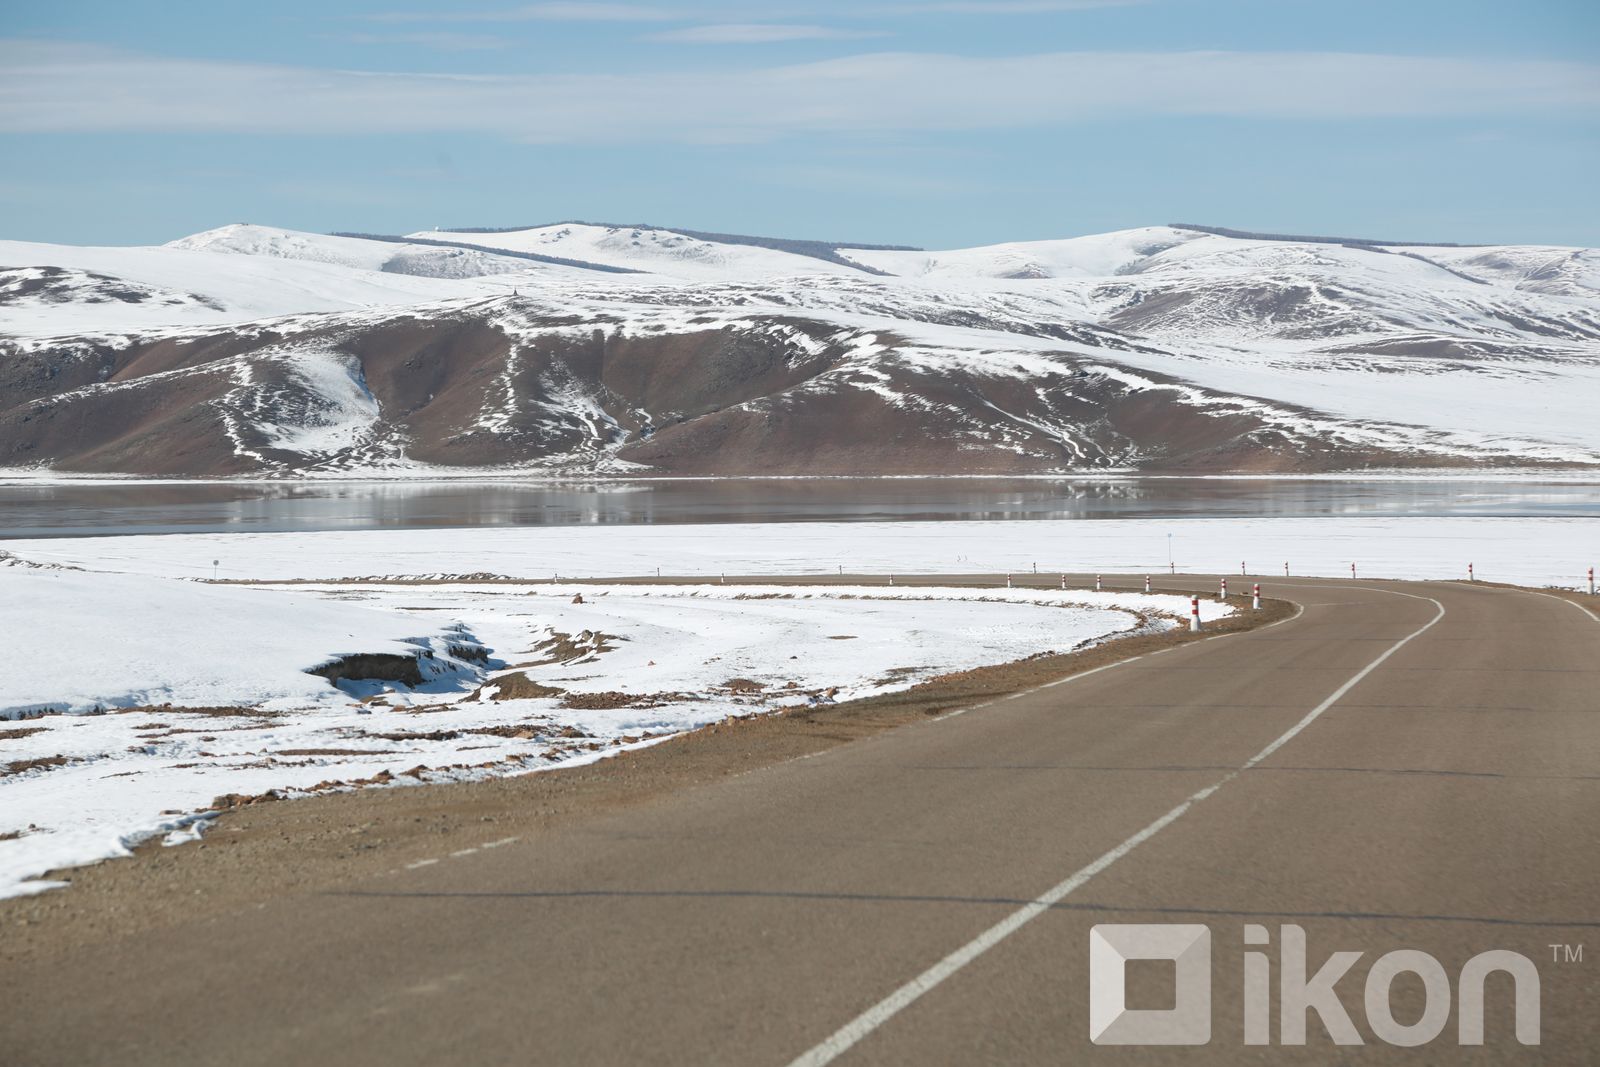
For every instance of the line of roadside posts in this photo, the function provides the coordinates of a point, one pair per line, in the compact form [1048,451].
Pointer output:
[1255,588]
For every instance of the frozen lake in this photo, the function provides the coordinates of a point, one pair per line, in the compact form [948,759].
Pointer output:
[88,509]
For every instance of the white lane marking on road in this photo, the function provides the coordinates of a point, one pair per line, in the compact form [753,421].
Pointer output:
[1592,616]
[502,841]
[420,863]
[864,1024]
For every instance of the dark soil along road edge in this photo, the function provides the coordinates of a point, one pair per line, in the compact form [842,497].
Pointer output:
[318,844]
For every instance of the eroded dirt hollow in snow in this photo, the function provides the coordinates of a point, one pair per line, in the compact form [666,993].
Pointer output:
[515,677]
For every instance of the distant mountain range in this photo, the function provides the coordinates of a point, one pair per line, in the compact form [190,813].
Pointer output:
[587,349]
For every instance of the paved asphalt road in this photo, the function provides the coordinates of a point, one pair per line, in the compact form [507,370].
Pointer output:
[1402,766]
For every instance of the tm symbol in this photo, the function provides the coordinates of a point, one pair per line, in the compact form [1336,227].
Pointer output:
[1566,953]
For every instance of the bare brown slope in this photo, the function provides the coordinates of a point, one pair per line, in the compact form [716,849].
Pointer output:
[502,384]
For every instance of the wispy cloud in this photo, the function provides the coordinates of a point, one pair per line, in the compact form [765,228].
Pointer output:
[548,12]
[50,86]
[995,7]
[759,33]
[442,41]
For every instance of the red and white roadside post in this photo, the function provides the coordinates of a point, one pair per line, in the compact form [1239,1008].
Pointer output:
[1008,581]
[1241,568]
[1286,568]
[1470,578]
[1255,597]
[1097,583]
[1222,591]
[1591,582]
[1352,570]
[1063,581]
[1194,614]
[891,579]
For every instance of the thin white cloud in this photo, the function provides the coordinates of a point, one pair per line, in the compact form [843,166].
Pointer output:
[443,42]
[998,7]
[50,86]
[547,12]
[758,33]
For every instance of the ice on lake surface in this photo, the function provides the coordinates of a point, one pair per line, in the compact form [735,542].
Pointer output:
[65,510]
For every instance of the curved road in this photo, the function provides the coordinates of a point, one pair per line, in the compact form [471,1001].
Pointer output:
[1401,766]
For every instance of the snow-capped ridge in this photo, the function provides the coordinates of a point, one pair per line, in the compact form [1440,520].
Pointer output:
[414,259]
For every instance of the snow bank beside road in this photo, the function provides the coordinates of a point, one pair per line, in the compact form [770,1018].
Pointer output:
[579,681]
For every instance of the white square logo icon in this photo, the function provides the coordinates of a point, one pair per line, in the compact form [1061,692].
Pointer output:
[1112,1022]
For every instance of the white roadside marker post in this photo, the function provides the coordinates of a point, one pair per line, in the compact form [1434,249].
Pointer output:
[1286,568]
[1008,581]
[1352,570]
[1591,581]
[1470,577]
[1222,591]
[1194,614]
[1147,583]
[1255,597]
[1241,568]
[1063,581]
[1097,583]
[891,579]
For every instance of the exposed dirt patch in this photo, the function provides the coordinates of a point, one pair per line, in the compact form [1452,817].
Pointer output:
[569,648]
[519,731]
[333,752]
[742,685]
[23,766]
[610,700]
[518,687]
[20,731]
[216,712]
[421,735]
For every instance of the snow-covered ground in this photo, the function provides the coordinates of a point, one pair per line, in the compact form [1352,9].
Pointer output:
[225,705]
[1537,552]
[88,641]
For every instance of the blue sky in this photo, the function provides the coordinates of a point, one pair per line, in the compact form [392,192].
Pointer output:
[930,122]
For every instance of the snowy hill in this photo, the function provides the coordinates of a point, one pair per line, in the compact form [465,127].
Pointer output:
[655,251]
[420,260]
[1097,256]
[252,350]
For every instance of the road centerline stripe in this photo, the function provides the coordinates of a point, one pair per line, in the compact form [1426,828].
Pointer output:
[847,1036]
